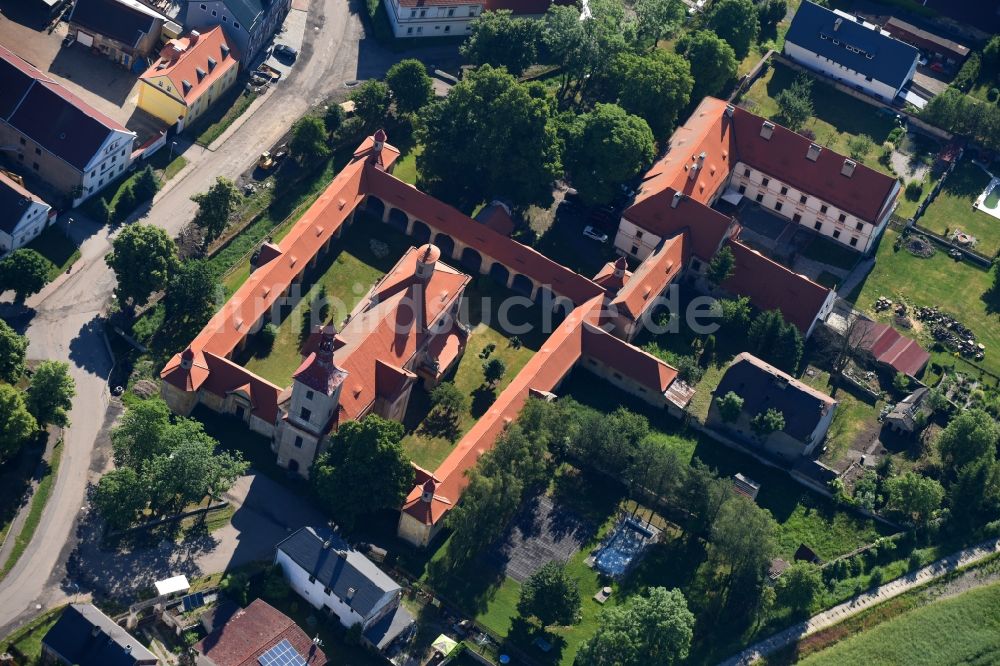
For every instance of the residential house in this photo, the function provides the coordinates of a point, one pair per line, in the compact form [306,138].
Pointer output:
[249,24]
[941,47]
[850,50]
[255,635]
[807,412]
[23,215]
[889,348]
[55,136]
[441,18]
[907,414]
[84,636]
[126,31]
[191,73]
[340,581]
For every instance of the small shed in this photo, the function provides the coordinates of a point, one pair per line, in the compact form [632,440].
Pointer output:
[744,485]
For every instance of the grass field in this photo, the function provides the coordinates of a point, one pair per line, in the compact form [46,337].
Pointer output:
[960,630]
[838,117]
[217,120]
[406,167]
[958,287]
[28,639]
[952,209]
[853,416]
[57,247]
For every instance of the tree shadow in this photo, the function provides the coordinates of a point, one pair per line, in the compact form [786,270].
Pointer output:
[87,349]
[482,398]
[529,638]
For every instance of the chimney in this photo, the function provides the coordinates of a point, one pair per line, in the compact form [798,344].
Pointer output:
[836,24]
[701,157]
[427,257]
[676,200]
[187,359]
[693,171]
[813,152]
[194,37]
[350,594]
[95,631]
[848,168]
[767,129]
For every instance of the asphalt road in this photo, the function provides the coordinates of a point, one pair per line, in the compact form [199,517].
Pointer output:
[64,320]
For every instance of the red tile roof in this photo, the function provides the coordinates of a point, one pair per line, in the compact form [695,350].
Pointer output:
[890,347]
[640,366]
[318,371]
[613,276]
[651,277]
[253,631]
[771,286]
[182,59]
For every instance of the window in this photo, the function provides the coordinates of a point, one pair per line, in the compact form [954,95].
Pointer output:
[99,182]
[409,31]
[777,206]
[451,12]
[203,7]
[215,13]
[38,151]
[823,209]
[298,442]
[803,199]
[784,190]
[423,13]
[841,217]
[796,218]
[836,233]
[760,197]
[312,579]
[326,591]
[413,13]
[765,182]
[447,28]
[35,166]
[638,233]
[746,172]
[818,226]
[305,414]
[23,142]
[635,249]
[854,241]
[236,25]
[868,79]
[859,226]
[419,29]
[309,395]
[742,189]
[225,19]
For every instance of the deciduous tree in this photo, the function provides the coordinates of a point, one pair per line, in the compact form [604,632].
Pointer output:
[970,436]
[743,544]
[654,87]
[16,422]
[493,371]
[730,407]
[657,19]
[50,395]
[800,586]
[713,62]
[551,595]
[371,103]
[120,497]
[795,104]
[308,143]
[736,22]
[216,207]
[13,348]
[25,272]
[914,496]
[139,435]
[193,293]
[768,421]
[501,39]
[722,266]
[142,257]
[410,85]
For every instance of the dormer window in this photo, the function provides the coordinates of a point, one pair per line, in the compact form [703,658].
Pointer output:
[225,51]
[200,73]
[186,85]
[813,152]
[211,64]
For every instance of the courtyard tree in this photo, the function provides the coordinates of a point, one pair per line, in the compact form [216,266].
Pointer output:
[654,628]
[448,405]
[551,595]
[146,185]
[13,347]
[776,341]
[25,272]
[766,422]
[488,505]
[500,39]
[841,349]
[216,207]
[657,19]
[713,62]
[308,143]
[364,469]
[722,266]
[493,371]
[730,407]
[193,293]
[859,146]
[371,103]
[16,422]
[605,148]
[736,22]
[970,436]
[50,395]
[491,137]
[795,105]
[735,313]
[800,586]
[142,257]
[139,435]
[120,497]
[655,87]
[190,472]
[743,544]
[914,496]
[410,85]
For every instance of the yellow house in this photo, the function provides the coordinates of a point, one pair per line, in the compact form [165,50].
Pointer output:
[191,73]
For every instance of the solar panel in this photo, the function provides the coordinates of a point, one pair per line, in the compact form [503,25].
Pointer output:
[282,654]
[192,601]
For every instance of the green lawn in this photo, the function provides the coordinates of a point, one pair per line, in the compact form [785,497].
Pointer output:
[952,209]
[226,109]
[958,287]
[960,630]
[57,247]
[853,416]
[839,117]
[406,167]
[28,639]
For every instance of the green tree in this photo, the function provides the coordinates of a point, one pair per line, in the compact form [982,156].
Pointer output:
[449,403]
[146,184]
[730,407]
[333,118]
[901,382]
[13,348]
[736,22]
[140,434]
[735,313]
[410,85]
[216,207]
[859,146]
[775,341]
[799,586]
[16,422]
[125,204]
[551,595]
[188,473]
[500,39]
[25,272]
[743,544]
[493,371]
[308,143]
[476,150]
[655,87]
[795,105]
[914,496]
[655,628]
[193,293]
[970,436]
[605,148]
[713,62]
[371,103]
[51,393]
[120,497]
[142,257]
[770,12]
[722,266]
[657,19]
[974,495]
[768,421]
[488,505]
[990,59]
[790,347]
[363,470]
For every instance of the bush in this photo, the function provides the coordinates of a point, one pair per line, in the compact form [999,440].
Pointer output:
[350,130]
[993,94]
[914,190]
[968,75]
[125,205]
[895,136]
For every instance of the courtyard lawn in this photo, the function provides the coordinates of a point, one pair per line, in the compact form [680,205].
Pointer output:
[57,247]
[830,252]
[839,117]
[957,287]
[223,113]
[853,417]
[952,209]
[406,167]
[347,273]
[960,630]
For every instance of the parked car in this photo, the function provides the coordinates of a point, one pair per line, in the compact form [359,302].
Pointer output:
[593,234]
[285,51]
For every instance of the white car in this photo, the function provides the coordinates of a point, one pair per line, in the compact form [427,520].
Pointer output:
[594,234]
